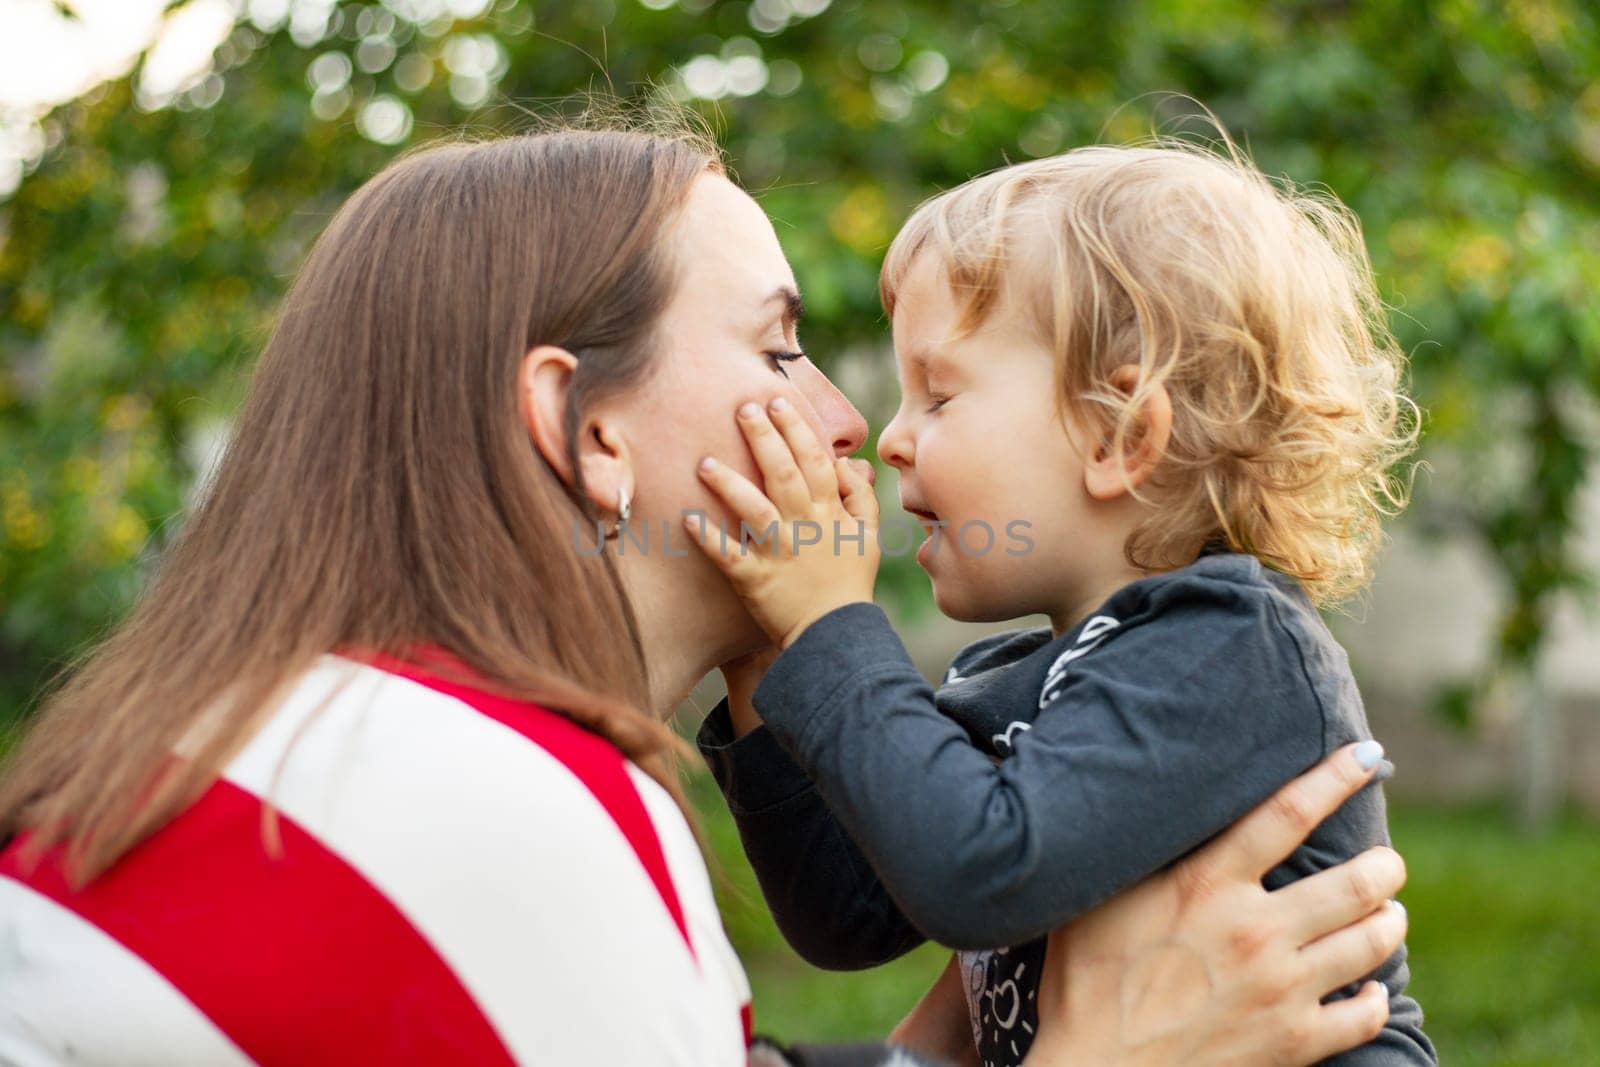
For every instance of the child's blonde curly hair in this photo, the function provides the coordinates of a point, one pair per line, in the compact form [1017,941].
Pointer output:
[1251,302]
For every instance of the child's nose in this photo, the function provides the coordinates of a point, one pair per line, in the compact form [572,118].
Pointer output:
[894,444]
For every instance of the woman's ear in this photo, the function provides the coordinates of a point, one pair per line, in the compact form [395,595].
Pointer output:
[1111,472]
[607,470]
[544,384]
[542,389]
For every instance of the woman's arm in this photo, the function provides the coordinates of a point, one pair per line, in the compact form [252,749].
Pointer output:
[1200,965]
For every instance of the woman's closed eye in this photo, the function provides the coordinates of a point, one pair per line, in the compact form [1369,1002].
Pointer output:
[779,357]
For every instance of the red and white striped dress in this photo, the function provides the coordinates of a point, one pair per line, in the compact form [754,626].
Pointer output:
[463,879]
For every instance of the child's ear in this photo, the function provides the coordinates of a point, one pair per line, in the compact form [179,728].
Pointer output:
[1111,472]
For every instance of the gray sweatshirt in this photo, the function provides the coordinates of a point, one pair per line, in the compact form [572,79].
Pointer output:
[1045,775]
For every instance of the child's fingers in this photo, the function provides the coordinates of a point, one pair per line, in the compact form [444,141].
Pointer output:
[714,542]
[816,464]
[786,486]
[855,491]
[749,504]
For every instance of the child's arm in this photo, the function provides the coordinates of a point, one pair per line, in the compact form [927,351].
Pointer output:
[825,898]
[1119,775]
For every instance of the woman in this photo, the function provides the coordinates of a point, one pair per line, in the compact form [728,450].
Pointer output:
[378,766]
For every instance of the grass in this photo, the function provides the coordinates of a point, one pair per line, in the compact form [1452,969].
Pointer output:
[1505,937]
[1505,942]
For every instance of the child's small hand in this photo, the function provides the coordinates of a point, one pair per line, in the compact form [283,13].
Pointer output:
[741,676]
[806,546]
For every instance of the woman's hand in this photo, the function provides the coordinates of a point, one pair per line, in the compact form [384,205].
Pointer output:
[1200,965]
[815,526]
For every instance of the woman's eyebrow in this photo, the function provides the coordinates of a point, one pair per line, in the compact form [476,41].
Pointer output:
[793,307]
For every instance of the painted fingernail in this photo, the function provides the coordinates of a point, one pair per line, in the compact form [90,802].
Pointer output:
[1401,908]
[780,403]
[708,464]
[1368,753]
[748,411]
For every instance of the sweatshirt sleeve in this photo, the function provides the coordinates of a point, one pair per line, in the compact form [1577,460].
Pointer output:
[1189,714]
[825,898]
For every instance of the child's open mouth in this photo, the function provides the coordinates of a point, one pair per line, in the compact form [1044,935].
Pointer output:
[927,518]
[930,523]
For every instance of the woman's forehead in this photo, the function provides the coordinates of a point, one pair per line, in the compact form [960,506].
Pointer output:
[728,248]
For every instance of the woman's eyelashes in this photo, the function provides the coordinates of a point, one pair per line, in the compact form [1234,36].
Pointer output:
[779,357]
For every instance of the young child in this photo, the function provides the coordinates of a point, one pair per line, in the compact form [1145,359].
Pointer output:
[1147,393]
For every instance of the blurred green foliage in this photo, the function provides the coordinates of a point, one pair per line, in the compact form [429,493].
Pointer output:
[141,258]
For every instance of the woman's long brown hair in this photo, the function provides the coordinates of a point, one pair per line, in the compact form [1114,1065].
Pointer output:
[381,492]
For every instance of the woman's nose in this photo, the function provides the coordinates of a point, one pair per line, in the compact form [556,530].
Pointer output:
[842,425]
